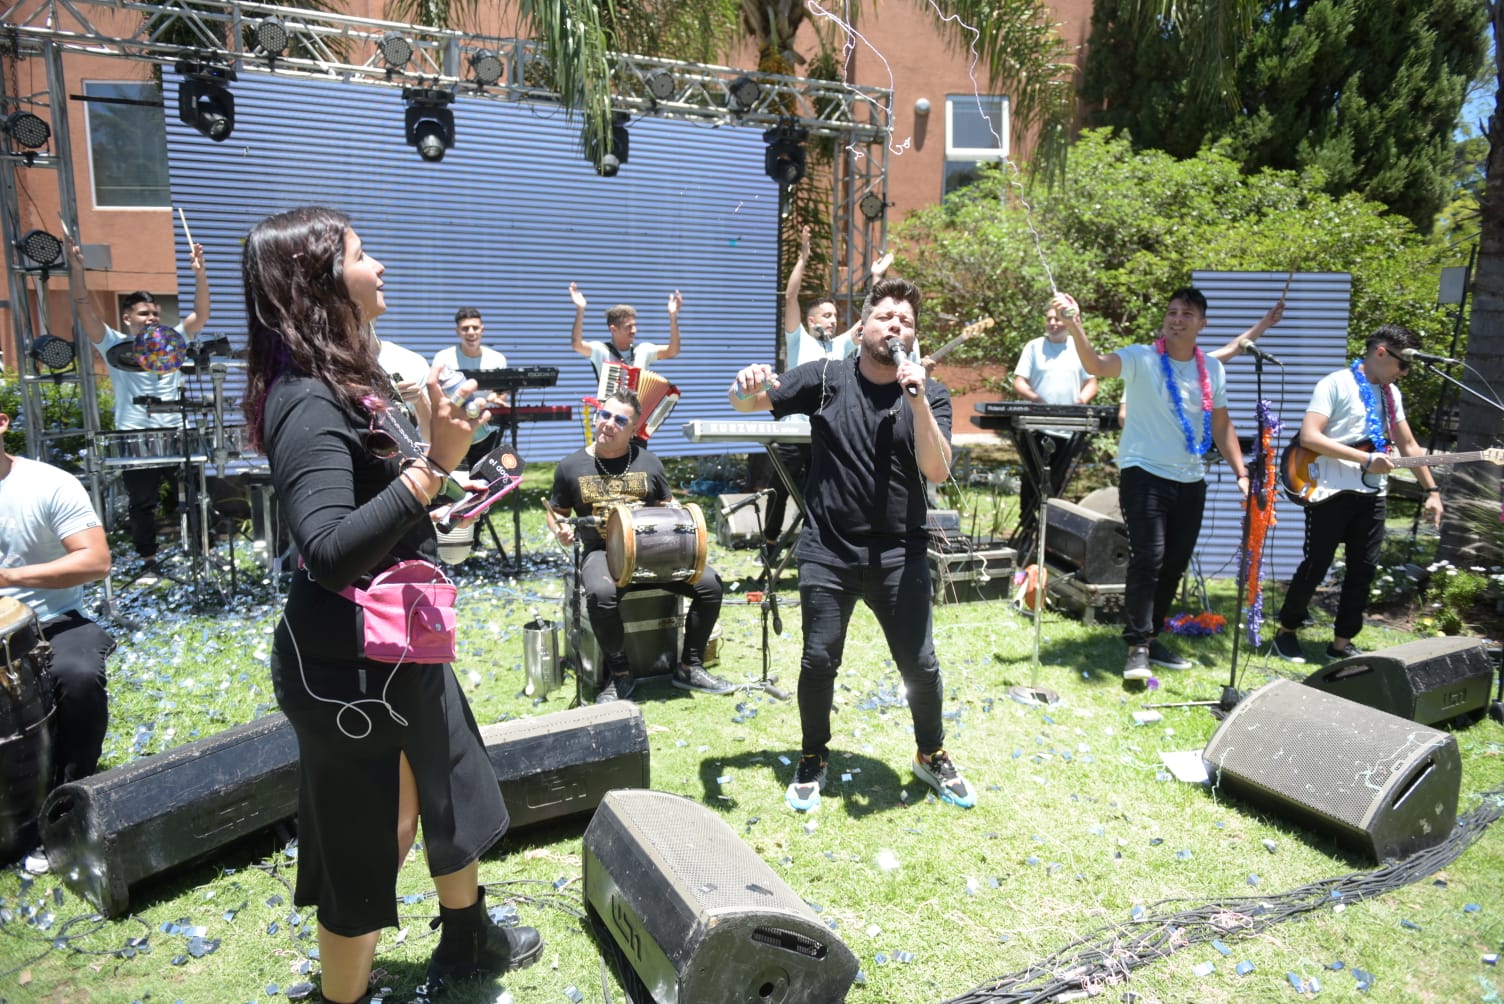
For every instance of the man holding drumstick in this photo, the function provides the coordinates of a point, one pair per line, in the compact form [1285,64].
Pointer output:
[139,312]
[587,483]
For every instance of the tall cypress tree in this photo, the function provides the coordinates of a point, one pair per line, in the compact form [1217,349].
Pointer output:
[1364,91]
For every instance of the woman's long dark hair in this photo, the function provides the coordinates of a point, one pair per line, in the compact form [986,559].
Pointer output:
[301,317]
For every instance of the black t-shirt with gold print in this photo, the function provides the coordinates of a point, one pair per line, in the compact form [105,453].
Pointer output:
[587,486]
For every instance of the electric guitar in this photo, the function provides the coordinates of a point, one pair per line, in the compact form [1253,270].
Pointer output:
[1310,478]
[975,328]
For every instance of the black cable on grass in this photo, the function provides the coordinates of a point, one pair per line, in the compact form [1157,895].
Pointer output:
[1109,954]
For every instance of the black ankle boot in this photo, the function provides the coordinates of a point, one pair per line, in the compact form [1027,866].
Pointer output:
[471,946]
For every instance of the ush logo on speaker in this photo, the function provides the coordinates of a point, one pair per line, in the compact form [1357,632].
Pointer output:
[631,938]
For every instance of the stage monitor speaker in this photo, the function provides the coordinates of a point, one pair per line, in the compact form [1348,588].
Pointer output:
[1104,501]
[740,528]
[698,915]
[108,832]
[1094,545]
[1382,785]
[1431,681]
[562,764]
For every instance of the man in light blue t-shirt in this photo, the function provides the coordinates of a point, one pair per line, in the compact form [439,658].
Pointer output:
[51,544]
[135,386]
[1049,372]
[808,340]
[1176,401]
[623,346]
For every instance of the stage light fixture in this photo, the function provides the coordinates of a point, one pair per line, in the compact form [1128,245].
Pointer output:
[872,206]
[742,94]
[396,50]
[430,121]
[204,100]
[486,66]
[42,248]
[660,84]
[52,352]
[27,130]
[784,159]
[272,37]
[609,165]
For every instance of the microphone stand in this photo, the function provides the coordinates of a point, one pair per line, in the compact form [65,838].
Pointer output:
[1231,695]
[1042,449]
[767,601]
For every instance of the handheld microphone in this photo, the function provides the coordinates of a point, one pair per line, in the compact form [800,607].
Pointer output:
[583,520]
[749,500]
[895,348]
[1246,344]
[1416,355]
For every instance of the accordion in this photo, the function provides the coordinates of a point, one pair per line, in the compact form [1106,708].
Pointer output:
[656,395]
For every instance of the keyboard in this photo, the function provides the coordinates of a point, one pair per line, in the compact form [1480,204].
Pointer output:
[1033,415]
[513,377]
[750,430]
[532,413]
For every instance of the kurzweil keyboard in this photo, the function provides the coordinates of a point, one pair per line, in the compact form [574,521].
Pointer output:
[513,377]
[1033,415]
[749,430]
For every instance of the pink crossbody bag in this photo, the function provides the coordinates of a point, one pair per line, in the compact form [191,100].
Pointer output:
[407,614]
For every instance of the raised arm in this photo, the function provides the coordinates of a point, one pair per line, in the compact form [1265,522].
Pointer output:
[1234,348]
[577,336]
[199,316]
[792,317]
[1110,365]
[83,303]
[675,301]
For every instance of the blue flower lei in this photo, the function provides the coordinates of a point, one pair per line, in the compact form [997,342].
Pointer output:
[1195,449]
[1373,421]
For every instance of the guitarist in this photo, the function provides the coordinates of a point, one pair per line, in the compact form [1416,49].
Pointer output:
[1355,415]
[1049,372]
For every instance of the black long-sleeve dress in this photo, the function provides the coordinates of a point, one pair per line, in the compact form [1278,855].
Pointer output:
[351,515]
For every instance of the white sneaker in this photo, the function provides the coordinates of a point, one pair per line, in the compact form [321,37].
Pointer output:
[36,862]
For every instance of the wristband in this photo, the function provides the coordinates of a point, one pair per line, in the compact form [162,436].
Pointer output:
[1433,488]
[1369,462]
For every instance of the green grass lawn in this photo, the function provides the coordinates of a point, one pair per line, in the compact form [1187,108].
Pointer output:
[1079,834]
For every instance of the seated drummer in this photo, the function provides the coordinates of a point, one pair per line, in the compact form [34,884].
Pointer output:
[51,546]
[587,483]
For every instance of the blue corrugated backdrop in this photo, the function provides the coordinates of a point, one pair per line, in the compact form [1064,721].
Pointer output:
[510,216]
[1311,342]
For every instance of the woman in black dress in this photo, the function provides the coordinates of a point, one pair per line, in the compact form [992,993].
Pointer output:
[380,745]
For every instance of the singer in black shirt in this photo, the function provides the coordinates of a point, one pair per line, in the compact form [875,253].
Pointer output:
[878,432]
[587,483]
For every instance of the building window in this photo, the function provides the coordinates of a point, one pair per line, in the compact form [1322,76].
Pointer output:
[127,144]
[976,131]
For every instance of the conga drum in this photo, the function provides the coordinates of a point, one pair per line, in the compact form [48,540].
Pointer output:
[648,545]
[26,724]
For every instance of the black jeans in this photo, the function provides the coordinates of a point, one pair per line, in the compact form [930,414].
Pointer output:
[79,650]
[603,606]
[1164,520]
[1356,521]
[900,599]
[142,486]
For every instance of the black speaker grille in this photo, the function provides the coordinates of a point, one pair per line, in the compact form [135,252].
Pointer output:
[1386,783]
[713,867]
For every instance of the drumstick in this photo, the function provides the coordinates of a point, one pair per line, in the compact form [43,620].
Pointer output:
[1287,284]
[550,517]
[186,232]
[66,232]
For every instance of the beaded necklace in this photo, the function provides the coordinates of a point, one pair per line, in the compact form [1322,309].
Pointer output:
[1171,388]
[1374,423]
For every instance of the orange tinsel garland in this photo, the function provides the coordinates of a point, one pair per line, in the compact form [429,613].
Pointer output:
[1260,510]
